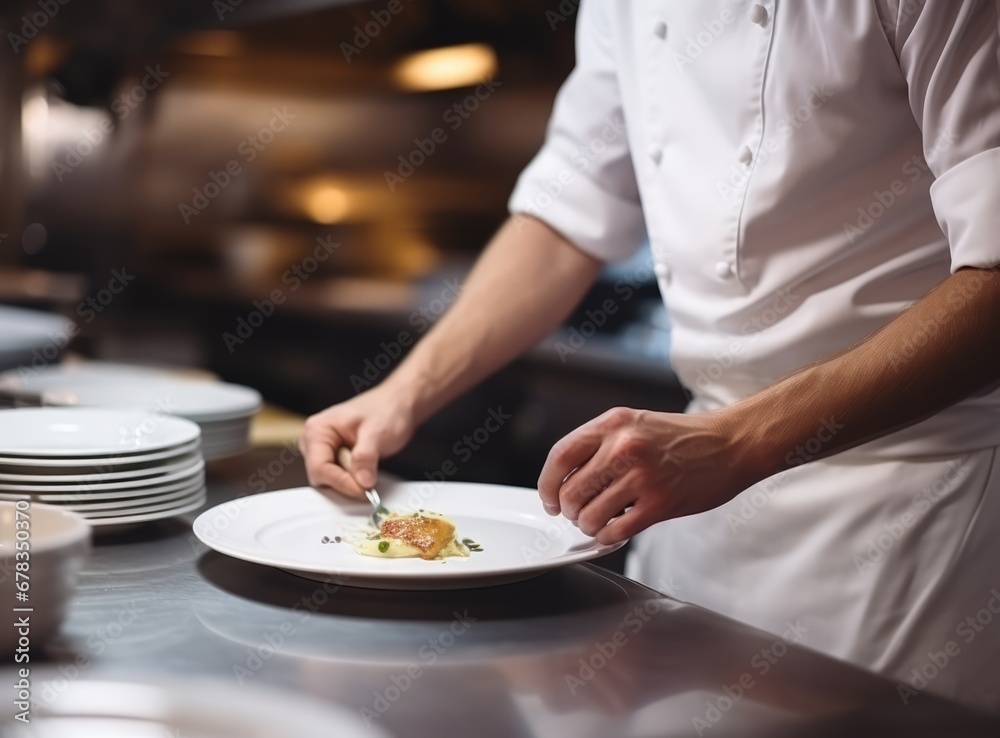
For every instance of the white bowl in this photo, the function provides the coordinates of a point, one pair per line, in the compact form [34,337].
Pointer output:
[58,541]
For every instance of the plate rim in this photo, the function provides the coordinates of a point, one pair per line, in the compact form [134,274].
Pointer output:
[152,473]
[120,459]
[453,575]
[193,432]
[195,468]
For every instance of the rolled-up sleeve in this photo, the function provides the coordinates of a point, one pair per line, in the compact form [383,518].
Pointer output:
[949,53]
[582,183]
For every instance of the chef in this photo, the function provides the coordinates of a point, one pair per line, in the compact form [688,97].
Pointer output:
[819,183]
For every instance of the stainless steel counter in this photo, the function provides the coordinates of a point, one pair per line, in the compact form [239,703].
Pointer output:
[577,652]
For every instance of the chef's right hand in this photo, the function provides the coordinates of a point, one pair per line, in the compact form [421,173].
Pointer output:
[373,425]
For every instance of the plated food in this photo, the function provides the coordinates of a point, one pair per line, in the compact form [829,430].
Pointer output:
[423,534]
[285,529]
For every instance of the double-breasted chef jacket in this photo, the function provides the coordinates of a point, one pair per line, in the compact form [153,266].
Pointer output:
[802,172]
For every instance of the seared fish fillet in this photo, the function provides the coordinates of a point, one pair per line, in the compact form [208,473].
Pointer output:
[428,535]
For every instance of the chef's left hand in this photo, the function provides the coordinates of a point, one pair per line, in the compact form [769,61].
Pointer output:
[662,465]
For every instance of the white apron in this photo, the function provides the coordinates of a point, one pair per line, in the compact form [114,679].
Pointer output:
[888,563]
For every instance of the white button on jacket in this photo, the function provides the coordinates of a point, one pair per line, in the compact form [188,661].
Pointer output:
[758,14]
[818,165]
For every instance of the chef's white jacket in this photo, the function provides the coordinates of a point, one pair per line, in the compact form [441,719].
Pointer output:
[803,170]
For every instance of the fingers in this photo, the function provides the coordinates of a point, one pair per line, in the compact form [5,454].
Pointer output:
[364,459]
[624,526]
[319,447]
[609,503]
[570,453]
[590,480]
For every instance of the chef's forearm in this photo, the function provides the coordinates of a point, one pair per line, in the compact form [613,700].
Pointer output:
[527,281]
[937,352]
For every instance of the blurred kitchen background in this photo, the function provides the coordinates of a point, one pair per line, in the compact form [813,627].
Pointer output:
[248,187]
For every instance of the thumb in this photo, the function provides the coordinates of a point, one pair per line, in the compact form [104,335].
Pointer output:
[364,459]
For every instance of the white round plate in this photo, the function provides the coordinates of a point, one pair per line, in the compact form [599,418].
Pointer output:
[140,485]
[225,426]
[147,517]
[23,330]
[142,389]
[85,432]
[284,529]
[86,465]
[121,494]
[196,496]
[192,707]
[120,506]
[145,473]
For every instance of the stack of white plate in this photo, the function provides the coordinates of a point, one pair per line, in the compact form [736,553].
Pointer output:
[113,467]
[223,411]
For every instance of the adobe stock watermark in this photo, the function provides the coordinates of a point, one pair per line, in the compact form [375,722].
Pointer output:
[565,11]
[453,119]
[265,475]
[248,150]
[133,437]
[581,159]
[730,189]
[960,295]
[258,481]
[223,8]
[882,201]
[966,631]
[97,643]
[363,35]
[782,304]
[922,503]
[603,652]
[810,449]
[428,654]
[756,498]
[462,451]
[753,500]
[696,44]
[273,640]
[904,11]
[576,336]
[556,528]
[122,106]
[293,278]
[33,22]
[389,352]
[760,664]
[87,310]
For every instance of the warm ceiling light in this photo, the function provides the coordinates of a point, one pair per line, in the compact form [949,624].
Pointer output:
[441,69]
[326,204]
